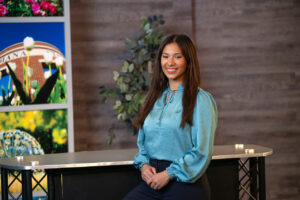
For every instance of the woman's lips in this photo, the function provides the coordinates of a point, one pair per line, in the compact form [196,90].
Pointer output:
[171,70]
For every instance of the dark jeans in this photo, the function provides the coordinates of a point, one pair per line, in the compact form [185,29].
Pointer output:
[173,190]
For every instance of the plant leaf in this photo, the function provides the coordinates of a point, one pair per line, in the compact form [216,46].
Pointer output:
[25,99]
[57,92]
[102,91]
[131,67]
[147,27]
[3,96]
[103,101]
[9,99]
[45,91]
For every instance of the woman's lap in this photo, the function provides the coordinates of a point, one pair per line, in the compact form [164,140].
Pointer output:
[173,191]
[142,192]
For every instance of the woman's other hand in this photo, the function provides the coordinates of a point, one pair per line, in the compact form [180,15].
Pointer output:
[159,180]
[147,172]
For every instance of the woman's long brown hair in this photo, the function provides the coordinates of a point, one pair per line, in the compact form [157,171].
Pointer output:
[191,80]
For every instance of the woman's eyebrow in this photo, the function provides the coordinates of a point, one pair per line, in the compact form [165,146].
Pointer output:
[172,53]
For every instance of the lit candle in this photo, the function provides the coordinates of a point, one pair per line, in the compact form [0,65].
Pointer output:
[34,163]
[19,158]
[249,151]
[239,146]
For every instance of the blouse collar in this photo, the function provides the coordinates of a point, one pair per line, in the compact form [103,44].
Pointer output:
[180,87]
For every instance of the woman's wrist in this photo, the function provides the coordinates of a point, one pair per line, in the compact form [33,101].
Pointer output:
[142,165]
[170,173]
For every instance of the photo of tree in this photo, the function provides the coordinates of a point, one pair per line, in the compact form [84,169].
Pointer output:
[25,8]
[32,64]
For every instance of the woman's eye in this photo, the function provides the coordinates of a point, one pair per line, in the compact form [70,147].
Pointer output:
[177,55]
[165,56]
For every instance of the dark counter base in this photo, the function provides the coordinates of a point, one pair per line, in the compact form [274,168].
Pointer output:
[114,182]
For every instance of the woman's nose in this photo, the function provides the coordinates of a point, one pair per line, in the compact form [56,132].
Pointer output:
[171,61]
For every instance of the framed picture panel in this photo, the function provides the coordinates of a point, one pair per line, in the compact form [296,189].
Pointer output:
[33,132]
[33,67]
[36,72]
[36,105]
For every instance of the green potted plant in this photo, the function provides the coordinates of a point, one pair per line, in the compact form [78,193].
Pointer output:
[133,79]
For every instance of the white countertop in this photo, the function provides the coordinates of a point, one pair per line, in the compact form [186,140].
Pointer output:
[115,157]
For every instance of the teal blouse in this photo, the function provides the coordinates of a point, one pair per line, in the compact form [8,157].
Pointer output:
[189,148]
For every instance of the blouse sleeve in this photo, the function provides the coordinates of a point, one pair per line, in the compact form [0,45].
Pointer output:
[141,157]
[194,163]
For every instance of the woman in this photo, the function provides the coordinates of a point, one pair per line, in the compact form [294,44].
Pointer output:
[177,124]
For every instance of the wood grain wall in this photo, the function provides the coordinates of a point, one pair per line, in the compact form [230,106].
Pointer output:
[98,30]
[249,52]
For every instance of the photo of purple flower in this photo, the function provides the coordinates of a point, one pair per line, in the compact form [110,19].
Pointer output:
[3,10]
[23,8]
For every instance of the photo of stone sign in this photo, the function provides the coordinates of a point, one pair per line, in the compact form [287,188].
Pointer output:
[32,64]
[25,8]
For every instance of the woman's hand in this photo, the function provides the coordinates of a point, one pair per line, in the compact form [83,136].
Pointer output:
[147,172]
[159,180]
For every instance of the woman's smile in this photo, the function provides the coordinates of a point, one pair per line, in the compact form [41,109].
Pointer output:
[171,70]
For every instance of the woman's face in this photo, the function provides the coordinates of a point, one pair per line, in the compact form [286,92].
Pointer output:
[173,63]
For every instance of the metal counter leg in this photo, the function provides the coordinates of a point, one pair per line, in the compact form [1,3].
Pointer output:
[54,185]
[26,185]
[262,178]
[4,184]
[51,191]
[253,177]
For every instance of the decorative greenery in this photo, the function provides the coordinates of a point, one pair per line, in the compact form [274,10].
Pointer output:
[133,79]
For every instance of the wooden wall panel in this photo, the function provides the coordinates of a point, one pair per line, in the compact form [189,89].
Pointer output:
[249,53]
[99,29]
[250,57]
